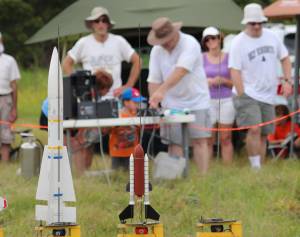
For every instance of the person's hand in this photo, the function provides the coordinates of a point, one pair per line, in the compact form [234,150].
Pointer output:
[218,80]
[287,89]
[211,82]
[118,91]
[156,98]
[13,115]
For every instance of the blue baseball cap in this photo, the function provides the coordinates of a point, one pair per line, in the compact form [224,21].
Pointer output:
[132,94]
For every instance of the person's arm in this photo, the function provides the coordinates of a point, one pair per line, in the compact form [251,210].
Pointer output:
[133,75]
[287,81]
[135,70]
[237,81]
[171,81]
[68,64]
[152,87]
[222,81]
[13,112]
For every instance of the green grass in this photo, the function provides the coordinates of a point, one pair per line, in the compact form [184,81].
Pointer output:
[32,90]
[267,202]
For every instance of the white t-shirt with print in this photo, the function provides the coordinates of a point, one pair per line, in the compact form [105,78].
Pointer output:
[9,72]
[107,55]
[192,90]
[257,59]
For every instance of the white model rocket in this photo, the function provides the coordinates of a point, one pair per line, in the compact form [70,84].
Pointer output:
[55,182]
[3,203]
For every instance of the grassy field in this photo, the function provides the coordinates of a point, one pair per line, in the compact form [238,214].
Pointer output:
[267,202]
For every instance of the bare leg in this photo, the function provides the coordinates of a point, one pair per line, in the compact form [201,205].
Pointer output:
[211,142]
[88,156]
[226,144]
[263,147]
[79,162]
[253,141]
[5,149]
[201,154]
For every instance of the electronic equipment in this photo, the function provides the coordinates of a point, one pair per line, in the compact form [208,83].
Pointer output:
[213,227]
[81,100]
[107,108]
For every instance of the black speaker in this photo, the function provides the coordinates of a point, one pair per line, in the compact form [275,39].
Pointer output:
[70,104]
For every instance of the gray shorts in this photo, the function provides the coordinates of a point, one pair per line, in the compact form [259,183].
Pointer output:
[172,133]
[6,136]
[251,112]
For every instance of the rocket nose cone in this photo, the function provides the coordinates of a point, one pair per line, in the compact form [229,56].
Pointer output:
[138,151]
[54,76]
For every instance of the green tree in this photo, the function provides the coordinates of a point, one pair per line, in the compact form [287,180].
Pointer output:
[20,19]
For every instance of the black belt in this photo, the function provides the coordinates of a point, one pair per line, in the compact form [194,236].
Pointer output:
[6,94]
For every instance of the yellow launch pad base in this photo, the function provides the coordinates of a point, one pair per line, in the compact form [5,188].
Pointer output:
[1,232]
[219,228]
[130,230]
[55,231]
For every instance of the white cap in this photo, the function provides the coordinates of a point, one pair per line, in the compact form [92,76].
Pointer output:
[210,31]
[97,12]
[253,13]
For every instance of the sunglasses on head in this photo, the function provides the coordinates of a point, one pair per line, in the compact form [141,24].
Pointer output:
[211,37]
[255,23]
[102,19]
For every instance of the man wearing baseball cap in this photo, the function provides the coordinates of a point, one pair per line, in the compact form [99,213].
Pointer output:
[103,51]
[8,99]
[177,80]
[253,60]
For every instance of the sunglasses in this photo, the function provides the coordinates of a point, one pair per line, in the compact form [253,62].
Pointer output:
[255,23]
[103,20]
[208,38]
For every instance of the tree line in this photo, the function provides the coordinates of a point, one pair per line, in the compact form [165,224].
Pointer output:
[20,19]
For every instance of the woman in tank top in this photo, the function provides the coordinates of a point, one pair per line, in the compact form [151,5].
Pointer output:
[220,87]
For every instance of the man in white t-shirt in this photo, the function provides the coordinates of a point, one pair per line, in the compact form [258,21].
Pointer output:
[102,50]
[253,60]
[177,81]
[8,99]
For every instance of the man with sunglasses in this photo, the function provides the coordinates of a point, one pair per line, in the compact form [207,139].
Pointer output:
[254,59]
[103,51]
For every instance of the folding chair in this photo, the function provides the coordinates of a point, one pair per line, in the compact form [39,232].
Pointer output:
[282,147]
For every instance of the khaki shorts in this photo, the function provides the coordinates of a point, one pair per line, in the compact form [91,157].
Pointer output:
[253,112]
[172,133]
[222,111]
[6,136]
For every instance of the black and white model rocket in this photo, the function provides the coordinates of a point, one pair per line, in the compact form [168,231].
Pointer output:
[139,187]
[55,183]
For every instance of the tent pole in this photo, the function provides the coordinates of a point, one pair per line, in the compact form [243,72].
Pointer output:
[296,81]
[64,50]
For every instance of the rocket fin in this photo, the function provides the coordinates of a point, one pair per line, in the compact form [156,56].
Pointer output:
[150,213]
[42,192]
[67,181]
[44,213]
[41,212]
[127,213]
